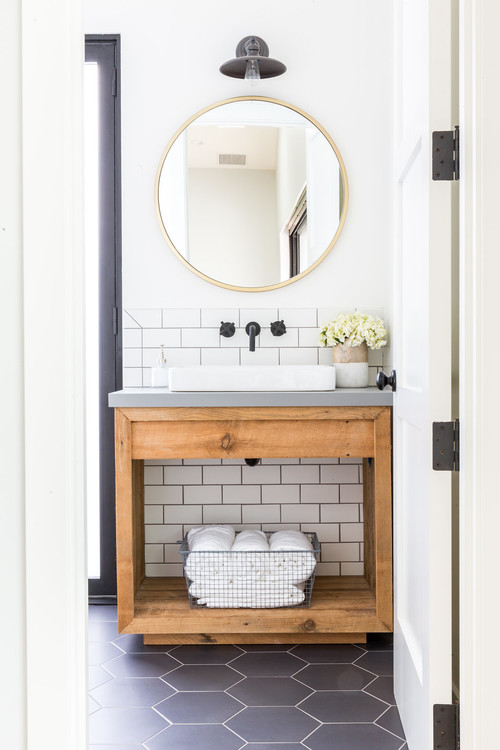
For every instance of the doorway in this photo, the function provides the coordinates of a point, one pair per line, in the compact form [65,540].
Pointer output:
[102,300]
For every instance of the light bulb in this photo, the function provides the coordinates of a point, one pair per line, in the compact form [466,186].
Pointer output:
[252,74]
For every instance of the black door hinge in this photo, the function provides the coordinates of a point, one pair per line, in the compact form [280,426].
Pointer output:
[446,727]
[446,446]
[445,154]
[114,82]
[115,321]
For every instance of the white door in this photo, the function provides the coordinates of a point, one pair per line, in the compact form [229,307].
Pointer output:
[422,358]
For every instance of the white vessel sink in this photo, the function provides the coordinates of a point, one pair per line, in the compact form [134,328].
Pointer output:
[253,378]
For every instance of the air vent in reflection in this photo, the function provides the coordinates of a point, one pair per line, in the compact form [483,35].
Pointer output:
[234,159]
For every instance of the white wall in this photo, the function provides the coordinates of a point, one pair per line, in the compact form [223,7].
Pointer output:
[338,56]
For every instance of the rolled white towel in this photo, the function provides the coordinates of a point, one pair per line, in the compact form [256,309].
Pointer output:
[291,596]
[250,540]
[289,540]
[216,538]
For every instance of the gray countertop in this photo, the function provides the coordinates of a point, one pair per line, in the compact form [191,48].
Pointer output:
[158,397]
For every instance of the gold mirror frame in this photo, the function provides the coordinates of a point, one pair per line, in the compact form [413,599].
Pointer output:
[343,215]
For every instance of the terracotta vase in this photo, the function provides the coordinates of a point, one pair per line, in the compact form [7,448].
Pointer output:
[351,365]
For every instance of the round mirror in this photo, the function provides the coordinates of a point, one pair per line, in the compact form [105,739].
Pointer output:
[251,193]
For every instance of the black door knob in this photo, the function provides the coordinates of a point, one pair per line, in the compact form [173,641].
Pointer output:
[384,380]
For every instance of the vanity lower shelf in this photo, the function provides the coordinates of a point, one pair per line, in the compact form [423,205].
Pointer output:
[343,608]
[338,603]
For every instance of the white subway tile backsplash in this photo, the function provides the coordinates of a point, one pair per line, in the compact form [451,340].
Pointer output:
[163,495]
[222,514]
[153,475]
[351,493]
[153,514]
[220,357]
[261,474]
[202,337]
[298,356]
[156,337]
[302,474]
[340,474]
[153,553]
[132,337]
[213,317]
[351,568]
[147,318]
[260,356]
[181,317]
[339,513]
[181,514]
[295,317]
[320,494]
[182,475]
[300,513]
[264,514]
[279,493]
[159,570]
[351,532]
[241,493]
[166,534]
[222,475]
[341,552]
[132,357]
[290,338]
[128,321]
[202,494]
[132,377]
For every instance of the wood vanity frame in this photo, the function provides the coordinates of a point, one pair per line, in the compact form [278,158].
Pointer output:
[343,608]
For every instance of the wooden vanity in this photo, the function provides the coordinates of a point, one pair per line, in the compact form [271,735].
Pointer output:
[343,608]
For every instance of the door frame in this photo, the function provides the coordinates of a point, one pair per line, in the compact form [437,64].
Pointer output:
[479,363]
[105,50]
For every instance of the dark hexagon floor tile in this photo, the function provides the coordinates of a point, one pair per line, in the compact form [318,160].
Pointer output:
[202,677]
[98,676]
[265,647]
[378,642]
[141,665]
[378,662]
[187,737]
[272,724]
[134,644]
[334,677]
[100,653]
[105,613]
[124,725]
[102,631]
[273,746]
[343,706]
[332,654]
[391,721]
[270,691]
[267,664]
[352,737]
[199,708]
[383,688]
[206,654]
[131,691]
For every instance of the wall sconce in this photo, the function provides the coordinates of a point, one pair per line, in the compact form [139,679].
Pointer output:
[252,62]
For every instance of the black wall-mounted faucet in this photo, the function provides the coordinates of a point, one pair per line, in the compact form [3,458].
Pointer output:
[253,330]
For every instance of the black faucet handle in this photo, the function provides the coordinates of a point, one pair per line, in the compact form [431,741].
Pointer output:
[278,328]
[226,329]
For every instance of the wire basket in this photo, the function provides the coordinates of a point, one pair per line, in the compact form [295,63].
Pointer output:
[253,579]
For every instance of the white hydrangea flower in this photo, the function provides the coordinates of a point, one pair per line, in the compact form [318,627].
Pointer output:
[353,329]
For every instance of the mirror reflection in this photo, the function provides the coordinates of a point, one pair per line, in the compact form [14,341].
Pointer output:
[251,193]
